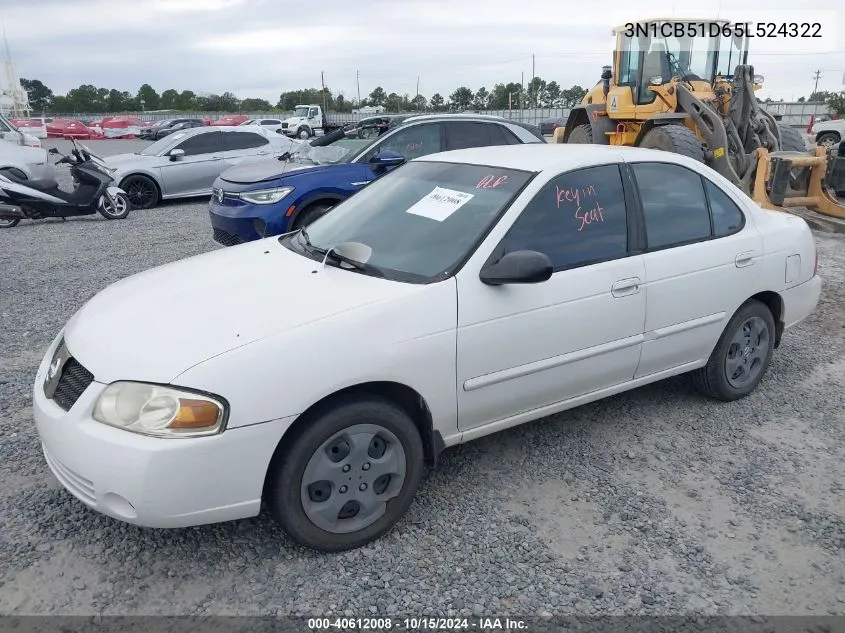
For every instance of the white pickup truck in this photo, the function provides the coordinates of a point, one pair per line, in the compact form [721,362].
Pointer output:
[829,133]
[307,121]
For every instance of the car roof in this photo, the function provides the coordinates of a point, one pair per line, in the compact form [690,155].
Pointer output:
[539,157]
[457,116]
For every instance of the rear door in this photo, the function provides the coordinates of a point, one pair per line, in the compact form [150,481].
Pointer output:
[240,147]
[193,173]
[702,260]
[467,134]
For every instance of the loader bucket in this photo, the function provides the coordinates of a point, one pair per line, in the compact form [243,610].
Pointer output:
[771,183]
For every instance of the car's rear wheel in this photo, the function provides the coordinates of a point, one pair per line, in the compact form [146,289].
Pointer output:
[347,476]
[142,191]
[742,355]
[828,140]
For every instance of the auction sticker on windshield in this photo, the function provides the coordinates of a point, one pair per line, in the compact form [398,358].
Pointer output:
[440,203]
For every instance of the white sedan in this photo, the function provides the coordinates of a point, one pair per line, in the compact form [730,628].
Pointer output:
[461,294]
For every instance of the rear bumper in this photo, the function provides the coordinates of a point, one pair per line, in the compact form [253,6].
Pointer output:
[800,301]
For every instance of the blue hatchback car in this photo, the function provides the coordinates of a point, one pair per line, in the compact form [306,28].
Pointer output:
[272,197]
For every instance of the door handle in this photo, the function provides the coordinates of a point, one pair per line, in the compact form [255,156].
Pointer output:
[744,259]
[625,287]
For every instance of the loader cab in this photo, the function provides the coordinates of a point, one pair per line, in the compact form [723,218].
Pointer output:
[651,53]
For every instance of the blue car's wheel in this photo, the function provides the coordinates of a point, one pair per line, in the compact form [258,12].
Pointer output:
[309,214]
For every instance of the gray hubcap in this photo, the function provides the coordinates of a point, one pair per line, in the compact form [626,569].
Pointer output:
[351,477]
[747,352]
[116,208]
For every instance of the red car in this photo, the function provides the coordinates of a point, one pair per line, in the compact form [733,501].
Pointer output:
[62,128]
[231,119]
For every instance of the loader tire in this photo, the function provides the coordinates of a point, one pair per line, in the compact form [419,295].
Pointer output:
[791,141]
[582,134]
[678,139]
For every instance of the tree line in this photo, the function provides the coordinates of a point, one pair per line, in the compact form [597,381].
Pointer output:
[538,93]
[91,99]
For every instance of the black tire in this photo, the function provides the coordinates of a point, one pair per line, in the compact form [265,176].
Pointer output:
[678,139]
[792,141]
[713,380]
[581,134]
[142,191]
[287,490]
[303,133]
[828,139]
[311,213]
[124,206]
[6,223]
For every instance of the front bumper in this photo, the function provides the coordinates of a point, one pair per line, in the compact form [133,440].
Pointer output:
[154,482]
[235,222]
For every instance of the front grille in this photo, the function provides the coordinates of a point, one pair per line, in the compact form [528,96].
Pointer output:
[225,238]
[73,381]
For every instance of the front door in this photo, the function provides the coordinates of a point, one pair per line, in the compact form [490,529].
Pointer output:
[411,142]
[193,173]
[524,347]
[700,248]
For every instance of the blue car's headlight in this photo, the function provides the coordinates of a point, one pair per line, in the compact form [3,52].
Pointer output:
[265,196]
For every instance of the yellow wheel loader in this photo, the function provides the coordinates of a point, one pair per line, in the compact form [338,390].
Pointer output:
[685,86]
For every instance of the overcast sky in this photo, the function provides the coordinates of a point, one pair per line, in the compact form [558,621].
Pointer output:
[259,48]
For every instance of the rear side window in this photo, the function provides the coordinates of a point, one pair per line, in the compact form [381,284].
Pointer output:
[674,204]
[503,136]
[464,135]
[578,218]
[242,140]
[727,217]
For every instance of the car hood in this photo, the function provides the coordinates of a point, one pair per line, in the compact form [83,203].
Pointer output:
[157,324]
[265,170]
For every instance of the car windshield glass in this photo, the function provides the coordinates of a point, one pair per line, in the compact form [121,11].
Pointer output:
[302,111]
[421,220]
[160,145]
[161,123]
[341,150]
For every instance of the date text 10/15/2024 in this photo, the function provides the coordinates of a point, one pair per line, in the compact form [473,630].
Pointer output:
[715,29]
[417,624]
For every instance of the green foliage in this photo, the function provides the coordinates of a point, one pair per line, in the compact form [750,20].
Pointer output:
[836,103]
[90,99]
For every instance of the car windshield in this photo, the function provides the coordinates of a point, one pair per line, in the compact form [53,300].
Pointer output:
[160,145]
[301,111]
[421,221]
[162,123]
[341,150]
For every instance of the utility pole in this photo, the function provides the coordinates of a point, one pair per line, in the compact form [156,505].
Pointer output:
[817,76]
[533,87]
[323,81]
[358,82]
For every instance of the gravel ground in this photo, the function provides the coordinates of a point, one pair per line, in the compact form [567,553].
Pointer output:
[653,502]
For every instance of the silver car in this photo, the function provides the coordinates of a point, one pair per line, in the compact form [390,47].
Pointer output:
[186,163]
[25,162]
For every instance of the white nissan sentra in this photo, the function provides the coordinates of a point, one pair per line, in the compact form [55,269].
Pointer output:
[461,294]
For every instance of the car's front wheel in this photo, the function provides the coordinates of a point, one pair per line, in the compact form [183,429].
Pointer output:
[347,476]
[741,356]
[142,191]
[310,214]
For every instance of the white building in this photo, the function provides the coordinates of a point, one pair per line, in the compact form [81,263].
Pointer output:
[14,102]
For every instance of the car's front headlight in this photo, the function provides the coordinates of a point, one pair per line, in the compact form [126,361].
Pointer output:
[265,196]
[159,411]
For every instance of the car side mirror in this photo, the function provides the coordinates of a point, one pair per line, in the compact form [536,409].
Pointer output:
[518,267]
[387,159]
[176,154]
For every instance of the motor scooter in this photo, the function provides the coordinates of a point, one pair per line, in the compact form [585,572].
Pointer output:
[93,191]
